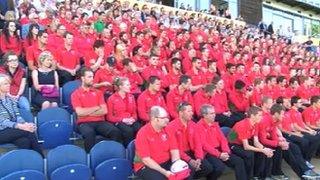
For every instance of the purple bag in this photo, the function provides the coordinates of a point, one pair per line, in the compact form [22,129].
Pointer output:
[48,91]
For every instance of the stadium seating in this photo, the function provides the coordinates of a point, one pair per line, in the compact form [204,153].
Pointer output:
[106,150]
[131,150]
[116,168]
[25,175]
[67,90]
[19,160]
[72,172]
[53,114]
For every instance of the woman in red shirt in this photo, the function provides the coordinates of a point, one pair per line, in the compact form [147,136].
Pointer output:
[31,38]
[122,110]
[10,40]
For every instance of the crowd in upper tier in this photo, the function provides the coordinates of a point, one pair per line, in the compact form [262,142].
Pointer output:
[139,63]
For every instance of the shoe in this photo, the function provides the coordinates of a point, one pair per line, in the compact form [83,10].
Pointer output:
[255,178]
[310,174]
[310,165]
[280,177]
[268,178]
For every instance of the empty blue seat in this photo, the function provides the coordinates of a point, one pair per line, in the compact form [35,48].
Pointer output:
[67,90]
[52,114]
[72,172]
[25,175]
[18,160]
[55,133]
[65,155]
[106,150]
[118,169]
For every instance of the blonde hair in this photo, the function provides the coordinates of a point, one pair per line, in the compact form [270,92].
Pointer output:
[4,77]
[10,16]
[43,56]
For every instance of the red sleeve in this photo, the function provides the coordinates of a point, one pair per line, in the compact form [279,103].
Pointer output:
[142,110]
[197,103]
[263,136]
[142,148]
[171,106]
[240,103]
[145,74]
[111,106]
[29,54]
[199,139]
[133,108]
[75,101]
[101,98]
[171,130]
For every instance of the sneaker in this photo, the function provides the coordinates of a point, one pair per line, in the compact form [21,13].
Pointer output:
[310,174]
[280,177]
[268,178]
[310,165]
[255,178]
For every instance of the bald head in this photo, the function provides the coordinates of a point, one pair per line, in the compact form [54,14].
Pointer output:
[157,111]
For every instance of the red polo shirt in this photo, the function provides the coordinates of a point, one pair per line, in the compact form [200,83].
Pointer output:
[14,45]
[287,123]
[135,80]
[256,97]
[183,136]
[200,98]
[267,131]
[146,100]
[220,102]
[304,92]
[311,115]
[174,98]
[153,144]
[173,78]
[34,51]
[154,71]
[212,139]
[16,79]
[241,102]
[244,130]
[86,99]
[68,58]
[119,108]
[197,78]
[91,58]
[296,117]
[103,75]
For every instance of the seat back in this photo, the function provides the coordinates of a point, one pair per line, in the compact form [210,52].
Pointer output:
[119,169]
[21,159]
[25,175]
[55,133]
[226,131]
[131,150]
[106,150]
[67,90]
[65,155]
[52,114]
[72,172]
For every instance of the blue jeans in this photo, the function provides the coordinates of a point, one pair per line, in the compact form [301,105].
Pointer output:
[24,104]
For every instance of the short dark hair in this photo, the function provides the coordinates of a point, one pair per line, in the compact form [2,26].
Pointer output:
[229,65]
[184,79]
[253,110]
[153,79]
[209,88]
[98,44]
[239,84]
[276,108]
[175,60]
[280,79]
[41,32]
[294,100]
[126,61]
[182,106]
[84,70]
[314,99]
[216,79]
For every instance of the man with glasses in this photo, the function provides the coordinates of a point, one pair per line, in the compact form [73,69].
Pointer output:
[155,151]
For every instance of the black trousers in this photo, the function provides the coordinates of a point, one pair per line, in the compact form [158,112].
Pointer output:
[64,77]
[246,156]
[308,144]
[22,139]
[265,167]
[128,131]
[233,162]
[228,121]
[147,173]
[90,130]
[294,158]
[205,168]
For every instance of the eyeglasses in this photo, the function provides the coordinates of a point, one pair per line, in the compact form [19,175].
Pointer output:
[163,117]
[13,60]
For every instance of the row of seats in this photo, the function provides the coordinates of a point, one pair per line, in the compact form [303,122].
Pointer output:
[107,160]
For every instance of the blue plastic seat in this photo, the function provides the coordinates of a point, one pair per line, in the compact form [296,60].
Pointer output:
[52,114]
[25,175]
[65,155]
[72,172]
[106,150]
[67,90]
[55,133]
[131,150]
[26,115]
[226,131]
[117,168]
[19,160]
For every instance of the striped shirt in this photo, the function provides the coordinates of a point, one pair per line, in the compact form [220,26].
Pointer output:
[9,113]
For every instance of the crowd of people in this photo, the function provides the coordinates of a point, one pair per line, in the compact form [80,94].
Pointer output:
[169,80]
